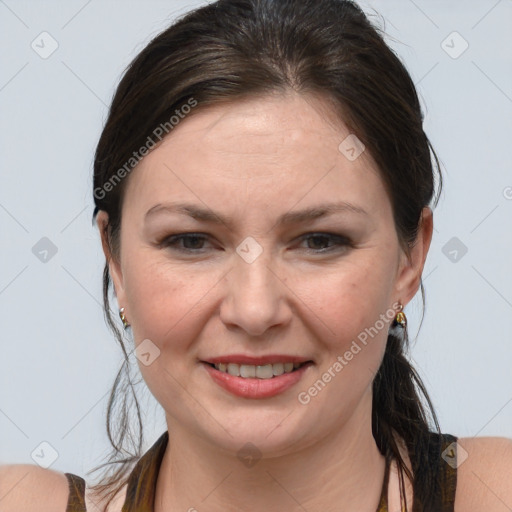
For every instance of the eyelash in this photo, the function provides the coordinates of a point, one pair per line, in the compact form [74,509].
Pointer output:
[171,242]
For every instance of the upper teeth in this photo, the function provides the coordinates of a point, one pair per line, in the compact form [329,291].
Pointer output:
[266,371]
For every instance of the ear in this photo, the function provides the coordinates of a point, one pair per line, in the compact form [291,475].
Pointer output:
[411,266]
[113,264]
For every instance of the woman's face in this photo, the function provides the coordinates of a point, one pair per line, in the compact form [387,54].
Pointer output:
[254,288]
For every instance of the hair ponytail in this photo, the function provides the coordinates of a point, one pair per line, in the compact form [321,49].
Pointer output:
[398,414]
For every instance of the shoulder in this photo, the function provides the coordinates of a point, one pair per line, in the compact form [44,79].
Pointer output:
[27,488]
[484,474]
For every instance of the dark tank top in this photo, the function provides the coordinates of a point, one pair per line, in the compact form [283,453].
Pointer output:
[140,492]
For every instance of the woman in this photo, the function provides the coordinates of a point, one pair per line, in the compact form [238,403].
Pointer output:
[263,187]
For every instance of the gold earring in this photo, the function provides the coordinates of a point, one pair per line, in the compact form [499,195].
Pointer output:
[400,318]
[123,318]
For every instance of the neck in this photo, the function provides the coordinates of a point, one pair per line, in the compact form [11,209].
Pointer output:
[343,471]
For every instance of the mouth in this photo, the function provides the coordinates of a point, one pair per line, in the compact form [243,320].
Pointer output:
[256,381]
[251,371]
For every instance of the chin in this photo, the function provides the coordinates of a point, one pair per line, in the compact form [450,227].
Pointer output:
[275,434]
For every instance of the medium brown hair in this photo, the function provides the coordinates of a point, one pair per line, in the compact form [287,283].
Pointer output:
[234,49]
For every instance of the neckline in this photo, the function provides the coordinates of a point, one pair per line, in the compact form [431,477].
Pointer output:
[144,476]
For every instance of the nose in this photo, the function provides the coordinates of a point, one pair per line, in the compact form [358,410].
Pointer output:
[255,296]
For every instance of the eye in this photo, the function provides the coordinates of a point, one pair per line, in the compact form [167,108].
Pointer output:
[322,239]
[193,242]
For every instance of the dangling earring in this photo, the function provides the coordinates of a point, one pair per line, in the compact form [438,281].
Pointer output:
[400,318]
[123,318]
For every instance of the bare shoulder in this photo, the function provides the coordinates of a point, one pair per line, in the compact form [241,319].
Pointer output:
[484,474]
[27,488]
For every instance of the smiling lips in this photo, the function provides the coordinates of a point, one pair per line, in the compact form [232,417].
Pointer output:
[267,371]
[263,367]
[251,377]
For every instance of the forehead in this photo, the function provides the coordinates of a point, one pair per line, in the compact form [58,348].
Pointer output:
[275,149]
[263,125]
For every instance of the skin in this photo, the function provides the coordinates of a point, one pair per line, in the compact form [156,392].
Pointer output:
[252,161]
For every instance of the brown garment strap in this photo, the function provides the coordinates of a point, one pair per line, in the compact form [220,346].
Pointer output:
[141,488]
[443,458]
[383,502]
[76,499]
[448,472]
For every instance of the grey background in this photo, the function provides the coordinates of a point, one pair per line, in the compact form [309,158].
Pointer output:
[58,359]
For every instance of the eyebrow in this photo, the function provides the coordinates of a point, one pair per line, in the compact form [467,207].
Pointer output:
[294,217]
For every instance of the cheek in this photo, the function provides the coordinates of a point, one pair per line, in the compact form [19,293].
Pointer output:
[351,296]
[354,305]
[167,308]
[164,301]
